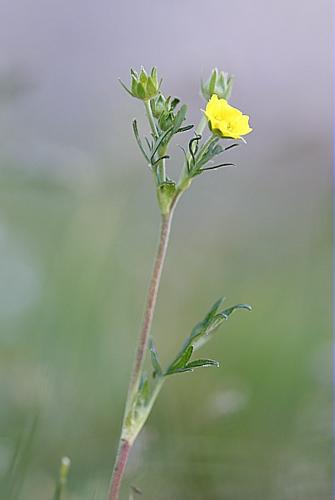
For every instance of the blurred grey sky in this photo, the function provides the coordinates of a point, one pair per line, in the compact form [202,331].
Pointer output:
[69,112]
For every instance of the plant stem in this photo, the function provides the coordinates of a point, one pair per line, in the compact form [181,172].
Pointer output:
[151,119]
[151,301]
[125,445]
[119,468]
[63,474]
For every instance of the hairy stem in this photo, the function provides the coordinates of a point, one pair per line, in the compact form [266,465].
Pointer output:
[125,445]
[151,119]
[151,303]
[119,468]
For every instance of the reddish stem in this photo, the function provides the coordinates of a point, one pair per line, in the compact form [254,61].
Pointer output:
[119,468]
[125,445]
[151,302]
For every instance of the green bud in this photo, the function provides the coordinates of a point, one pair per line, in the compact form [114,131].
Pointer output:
[163,109]
[143,86]
[219,83]
[140,90]
[158,105]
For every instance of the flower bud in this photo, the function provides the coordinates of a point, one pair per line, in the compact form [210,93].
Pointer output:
[143,86]
[163,109]
[219,83]
[158,105]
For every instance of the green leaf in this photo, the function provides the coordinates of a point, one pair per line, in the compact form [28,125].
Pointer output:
[179,370]
[158,143]
[174,103]
[201,327]
[184,129]
[203,363]
[138,140]
[179,364]
[179,118]
[154,359]
[204,330]
[227,312]
[200,334]
[126,88]
[214,149]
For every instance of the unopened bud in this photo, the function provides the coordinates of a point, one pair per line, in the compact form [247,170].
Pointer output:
[219,83]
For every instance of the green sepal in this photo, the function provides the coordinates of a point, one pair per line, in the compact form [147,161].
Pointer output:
[218,83]
[212,81]
[151,88]
[143,87]
[133,85]
[143,76]
[140,90]
[154,77]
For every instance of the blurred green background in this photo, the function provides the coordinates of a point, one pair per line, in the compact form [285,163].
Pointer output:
[78,229]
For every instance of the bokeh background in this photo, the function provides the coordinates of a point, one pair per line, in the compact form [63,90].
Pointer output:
[78,226]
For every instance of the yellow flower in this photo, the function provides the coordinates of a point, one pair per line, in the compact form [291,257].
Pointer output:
[224,120]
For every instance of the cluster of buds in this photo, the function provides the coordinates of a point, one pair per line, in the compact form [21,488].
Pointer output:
[163,109]
[166,119]
[143,86]
[219,83]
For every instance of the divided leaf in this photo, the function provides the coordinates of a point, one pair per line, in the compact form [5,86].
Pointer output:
[179,364]
[204,330]
[200,334]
